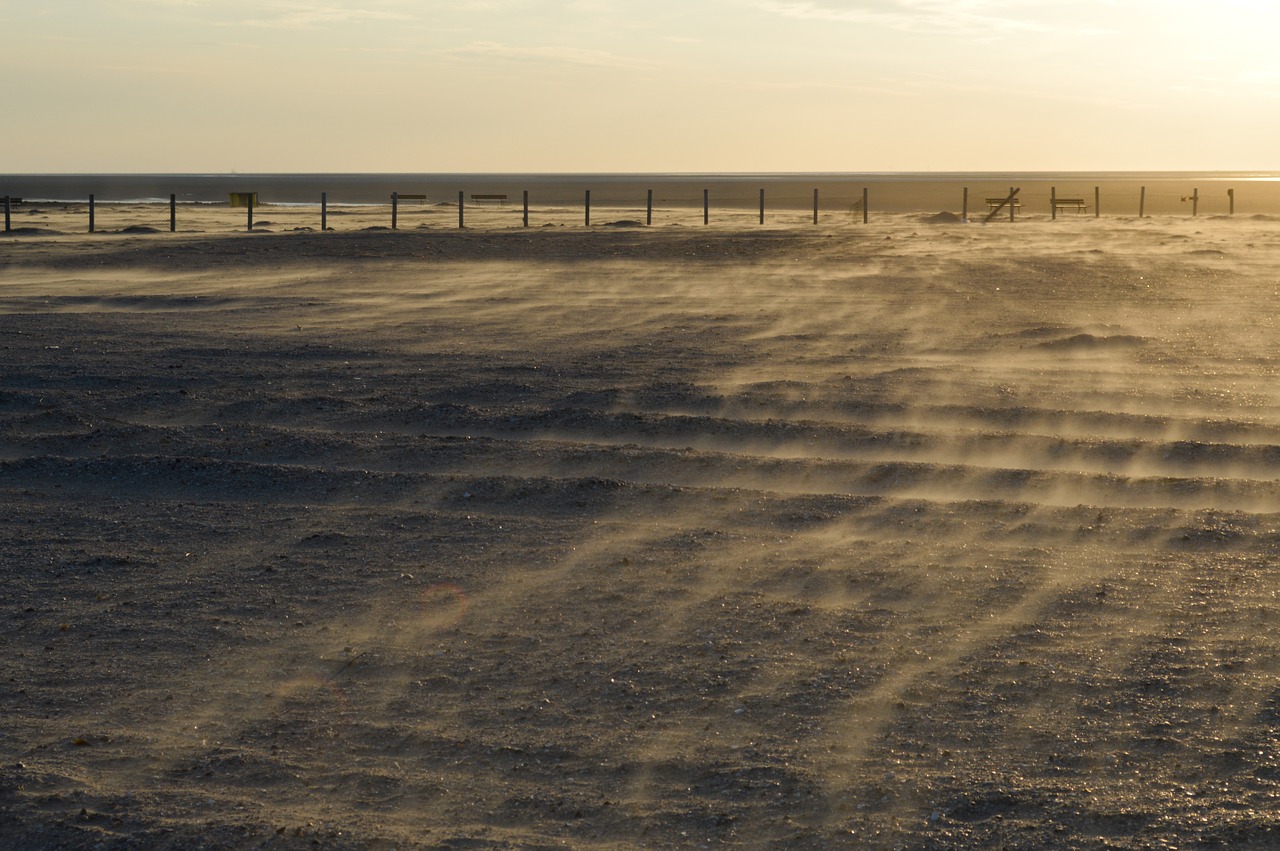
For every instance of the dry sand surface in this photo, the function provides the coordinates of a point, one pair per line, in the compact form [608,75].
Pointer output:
[913,535]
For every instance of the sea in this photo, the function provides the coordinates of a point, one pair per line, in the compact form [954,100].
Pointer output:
[1116,193]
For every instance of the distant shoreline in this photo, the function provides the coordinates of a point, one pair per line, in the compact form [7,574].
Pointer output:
[1115,193]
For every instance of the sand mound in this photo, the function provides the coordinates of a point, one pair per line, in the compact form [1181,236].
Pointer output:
[1093,341]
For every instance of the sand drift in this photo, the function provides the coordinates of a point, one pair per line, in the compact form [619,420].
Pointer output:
[915,534]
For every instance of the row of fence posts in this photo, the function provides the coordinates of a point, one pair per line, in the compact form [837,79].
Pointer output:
[586,204]
[996,204]
[1055,203]
[173,214]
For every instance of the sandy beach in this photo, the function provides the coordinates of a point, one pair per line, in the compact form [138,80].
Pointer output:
[907,535]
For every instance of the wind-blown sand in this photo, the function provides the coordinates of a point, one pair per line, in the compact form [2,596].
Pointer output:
[915,534]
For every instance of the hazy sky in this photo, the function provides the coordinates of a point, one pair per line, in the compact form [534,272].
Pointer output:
[638,85]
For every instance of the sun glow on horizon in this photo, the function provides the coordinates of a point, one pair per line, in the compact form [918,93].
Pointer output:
[600,85]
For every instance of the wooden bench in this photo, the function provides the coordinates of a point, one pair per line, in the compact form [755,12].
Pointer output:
[1076,204]
[995,203]
[500,200]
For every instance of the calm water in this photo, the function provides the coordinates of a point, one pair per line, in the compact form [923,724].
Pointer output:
[1119,192]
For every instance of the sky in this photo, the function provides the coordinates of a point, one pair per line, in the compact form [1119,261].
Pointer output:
[638,85]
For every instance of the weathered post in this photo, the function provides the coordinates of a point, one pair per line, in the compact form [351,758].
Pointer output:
[706,206]
[461,213]
[762,205]
[395,209]
[1013,204]
[964,207]
[90,212]
[7,222]
[250,205]
[865,213]
[1231,202]
[173,212]
[1053,202]
[1010,200]
[324,211]
[1195,202]
[648,212]
[815,205]
[587,205]
[1097,201]
[1142,203]
[526,208]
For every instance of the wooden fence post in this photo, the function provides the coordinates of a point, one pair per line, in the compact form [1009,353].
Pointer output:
[324,211]
[526,208]
[648,214]
[865,213]
[7,222]
[815,205]
[461,214]
[395,209]
[1142,203]
[1013,195]
[1231,202]
[173,212]
[706,206]
[90,212]
[762,205]
[587,205]
[1195,202]
[964,208]
[1053,202]
[1097,201]
[250,205]
[1013,204]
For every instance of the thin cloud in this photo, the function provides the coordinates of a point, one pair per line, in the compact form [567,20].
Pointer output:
[285,14]
[1248,82]
[549,54]
[974,17]
[844,88]
[301,15]
[1119,99]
